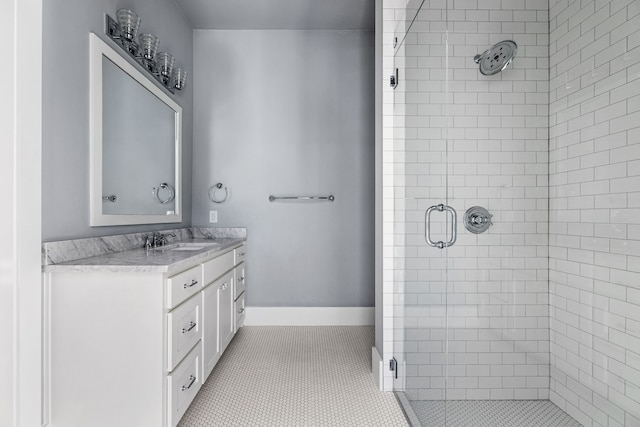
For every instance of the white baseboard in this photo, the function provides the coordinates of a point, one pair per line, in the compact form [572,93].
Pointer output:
[309,316]
[377,368]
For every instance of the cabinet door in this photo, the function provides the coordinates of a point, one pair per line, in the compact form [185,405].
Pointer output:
[210,341]
[225,311]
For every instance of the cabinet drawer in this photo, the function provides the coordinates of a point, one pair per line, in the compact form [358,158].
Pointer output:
[183,385]
[184,330]
[183,285]
[216,267]
[240,254]
[239,313]
[239,281]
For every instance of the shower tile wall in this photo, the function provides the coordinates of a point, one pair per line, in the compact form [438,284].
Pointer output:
[595,210]
[498,156]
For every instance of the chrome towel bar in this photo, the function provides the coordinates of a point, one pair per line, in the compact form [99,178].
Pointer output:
[328,198]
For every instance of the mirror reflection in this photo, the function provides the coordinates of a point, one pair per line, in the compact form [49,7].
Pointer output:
[138,147]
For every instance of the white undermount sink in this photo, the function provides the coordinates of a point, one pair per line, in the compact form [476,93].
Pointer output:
[190,246]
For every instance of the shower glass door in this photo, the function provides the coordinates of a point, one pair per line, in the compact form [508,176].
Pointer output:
[424,222]
[471,319]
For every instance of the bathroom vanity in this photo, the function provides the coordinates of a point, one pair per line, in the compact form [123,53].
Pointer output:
[134,334]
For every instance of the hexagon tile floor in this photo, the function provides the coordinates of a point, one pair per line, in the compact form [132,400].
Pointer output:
[492,413]
[295,376]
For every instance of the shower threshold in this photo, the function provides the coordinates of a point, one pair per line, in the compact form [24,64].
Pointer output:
[485,413]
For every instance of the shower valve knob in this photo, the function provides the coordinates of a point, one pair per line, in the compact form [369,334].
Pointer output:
[477,219]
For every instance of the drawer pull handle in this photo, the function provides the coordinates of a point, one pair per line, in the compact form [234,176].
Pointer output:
[190,328]
[224,286]
[193,283]
[241,310]
[241,279]
[192,380]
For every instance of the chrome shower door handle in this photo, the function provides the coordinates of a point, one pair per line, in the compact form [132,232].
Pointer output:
[427,226]
[427,229]
[454,226]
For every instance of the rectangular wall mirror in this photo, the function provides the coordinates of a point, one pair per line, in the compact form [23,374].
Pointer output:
[136,138]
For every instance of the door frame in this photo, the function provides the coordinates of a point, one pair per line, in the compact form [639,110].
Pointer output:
[20,178]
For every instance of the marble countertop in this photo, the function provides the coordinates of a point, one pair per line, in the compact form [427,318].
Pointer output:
[160,260]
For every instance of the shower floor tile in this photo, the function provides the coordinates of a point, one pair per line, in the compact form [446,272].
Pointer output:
[295,376]
[492,413]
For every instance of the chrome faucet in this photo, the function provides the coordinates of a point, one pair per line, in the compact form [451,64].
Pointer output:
[156,240]
[147,242]
[159,239]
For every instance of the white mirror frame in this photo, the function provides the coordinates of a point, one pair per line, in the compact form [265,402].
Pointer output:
[98,50]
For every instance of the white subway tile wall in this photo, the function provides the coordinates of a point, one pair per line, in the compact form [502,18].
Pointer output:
[546,303]
[491,289]
[594,187]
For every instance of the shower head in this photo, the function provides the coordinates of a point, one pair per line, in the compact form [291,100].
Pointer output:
[497,58]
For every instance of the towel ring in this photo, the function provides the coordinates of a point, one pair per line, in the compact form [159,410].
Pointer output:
[164,186]
[212,193]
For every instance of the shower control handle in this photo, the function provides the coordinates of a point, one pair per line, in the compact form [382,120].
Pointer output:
[477,219]
[427,231]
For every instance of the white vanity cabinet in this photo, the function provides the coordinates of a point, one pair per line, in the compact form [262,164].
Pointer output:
[133,348]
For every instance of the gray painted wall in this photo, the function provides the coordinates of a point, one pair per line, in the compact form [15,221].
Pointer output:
[65,150]
[287,113]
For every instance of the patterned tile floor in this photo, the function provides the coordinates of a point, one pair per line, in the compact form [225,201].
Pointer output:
[295,376]
[492,413]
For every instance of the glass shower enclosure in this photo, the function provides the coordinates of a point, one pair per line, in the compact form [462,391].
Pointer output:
[470,172]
